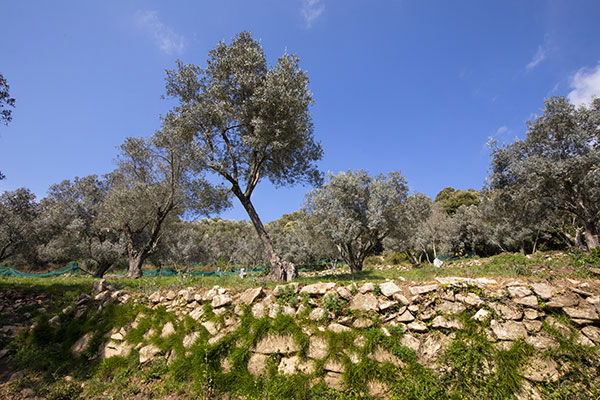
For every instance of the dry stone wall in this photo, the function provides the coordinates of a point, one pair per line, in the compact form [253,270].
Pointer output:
[423,317]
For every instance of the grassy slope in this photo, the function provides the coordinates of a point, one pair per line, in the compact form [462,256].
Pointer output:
[44,352]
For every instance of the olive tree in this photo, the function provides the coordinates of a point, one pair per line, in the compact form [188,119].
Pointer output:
[5,102]
[69,225]
[246,121]
[424,228]
[557,164]
[18,213]
[356,211]
[154,184]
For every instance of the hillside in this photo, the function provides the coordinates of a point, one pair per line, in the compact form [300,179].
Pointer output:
[379,336]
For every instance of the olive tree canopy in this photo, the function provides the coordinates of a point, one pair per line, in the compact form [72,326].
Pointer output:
[248,121]
[18,212]
[357,211]
[557,164]
[69,225]
[152,186]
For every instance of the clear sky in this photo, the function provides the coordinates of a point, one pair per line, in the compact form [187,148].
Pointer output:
[415,86]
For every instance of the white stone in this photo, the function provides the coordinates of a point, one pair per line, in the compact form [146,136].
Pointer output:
[148,352]
[388,289]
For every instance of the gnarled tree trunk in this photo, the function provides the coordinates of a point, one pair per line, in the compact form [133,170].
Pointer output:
[280,270]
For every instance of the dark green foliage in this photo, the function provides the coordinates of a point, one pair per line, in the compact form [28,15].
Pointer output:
[451,199]
[333,303]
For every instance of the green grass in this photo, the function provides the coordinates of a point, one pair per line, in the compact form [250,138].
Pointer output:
[465,369]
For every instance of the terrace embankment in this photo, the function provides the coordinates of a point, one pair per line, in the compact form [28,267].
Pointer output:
[473,337]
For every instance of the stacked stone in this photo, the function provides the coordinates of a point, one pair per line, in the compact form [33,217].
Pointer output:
[427,313]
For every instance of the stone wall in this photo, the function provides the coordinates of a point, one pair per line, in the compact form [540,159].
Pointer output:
[428,316]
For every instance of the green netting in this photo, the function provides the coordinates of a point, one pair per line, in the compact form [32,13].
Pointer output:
[452,257]
[73,269]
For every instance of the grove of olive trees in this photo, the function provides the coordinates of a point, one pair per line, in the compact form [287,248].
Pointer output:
[244,121]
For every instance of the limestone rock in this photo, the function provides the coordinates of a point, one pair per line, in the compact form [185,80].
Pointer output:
[544,290]
[317,314]
[220,300]
[196,313]
[532,326]
[317,347]
[334,366]
[288,365]
[481,315]
[257,364]
[167,330]
[541,370]
[519,291]
[432,348]
[250,295]
[382,356]
[117,336]
[411,342]
[190,339]
[148,352]
[386,304]
[582,340]
[417,327]
[318,289]
[509,330]
[531,314]
[362,323]
[416,290]
[565,300]
[527,301]
[506,312]
[81,344]
[211,327]
[364,302]
[170,295]
[470,299]
[588,313]
[338,328]
[366,288]
[456,281]
[334,380]
[592,332]
[401,298]
[443,322]
[259,310]
[406,316]
[282,344]
[450,307]
[344,293]
[113,348]
[542,342]
[388,289]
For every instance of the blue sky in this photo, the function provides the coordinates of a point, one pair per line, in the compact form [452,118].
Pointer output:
[415,86]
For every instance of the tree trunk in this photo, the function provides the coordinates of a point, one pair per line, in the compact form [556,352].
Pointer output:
[535,242]
[578,240]
[102,268]
[280,270]
[355,265]
[410,254]
[135,267]
[591,236]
